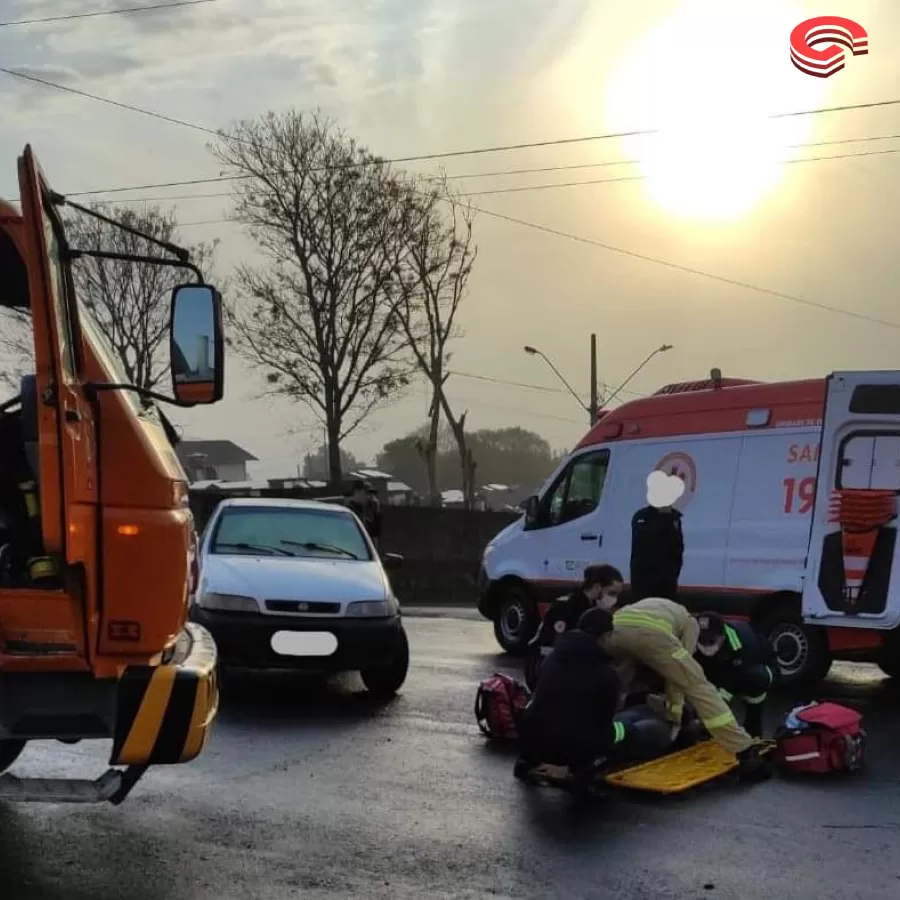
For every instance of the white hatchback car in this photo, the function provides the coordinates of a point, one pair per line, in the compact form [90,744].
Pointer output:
[298,584]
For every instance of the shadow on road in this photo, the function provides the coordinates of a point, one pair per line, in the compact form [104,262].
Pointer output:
[40,859]
[248,696]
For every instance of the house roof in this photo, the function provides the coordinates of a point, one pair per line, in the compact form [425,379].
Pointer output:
[217,453]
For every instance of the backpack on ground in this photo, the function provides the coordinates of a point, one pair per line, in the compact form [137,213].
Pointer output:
[499,704]
[821,738]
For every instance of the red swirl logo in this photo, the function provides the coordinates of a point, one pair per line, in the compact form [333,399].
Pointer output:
[835,31]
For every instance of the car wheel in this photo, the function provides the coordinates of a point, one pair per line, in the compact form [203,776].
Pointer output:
[9,753]
[802,650]
[386,679]
[516,619]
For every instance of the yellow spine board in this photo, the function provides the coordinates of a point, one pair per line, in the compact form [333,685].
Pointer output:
[678,771]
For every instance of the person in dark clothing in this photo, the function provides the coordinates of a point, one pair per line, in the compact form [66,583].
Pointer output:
[657,552]
[367,507]
[739,662]
[573,719]
[569,719]
[601,586]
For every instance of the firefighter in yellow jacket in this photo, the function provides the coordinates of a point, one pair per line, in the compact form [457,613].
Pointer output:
[662,635]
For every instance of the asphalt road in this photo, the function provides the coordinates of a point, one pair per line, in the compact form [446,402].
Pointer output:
[310,791]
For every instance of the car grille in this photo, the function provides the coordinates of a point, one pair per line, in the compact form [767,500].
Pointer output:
[303,606]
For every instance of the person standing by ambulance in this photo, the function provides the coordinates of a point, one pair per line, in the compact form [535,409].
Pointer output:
[663,635]
[657,552]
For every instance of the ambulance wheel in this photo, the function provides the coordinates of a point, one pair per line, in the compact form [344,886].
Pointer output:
[9,753]
[515,620]
[802,650]
[889,655]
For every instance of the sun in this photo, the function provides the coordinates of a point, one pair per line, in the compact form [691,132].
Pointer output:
[708,79]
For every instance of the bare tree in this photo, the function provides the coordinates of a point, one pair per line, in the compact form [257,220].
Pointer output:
[130,302]
[320,318]
[436,258]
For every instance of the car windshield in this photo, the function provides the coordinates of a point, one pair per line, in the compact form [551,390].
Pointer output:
[289,531]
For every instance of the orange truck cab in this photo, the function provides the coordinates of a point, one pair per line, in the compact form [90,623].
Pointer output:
[97,541]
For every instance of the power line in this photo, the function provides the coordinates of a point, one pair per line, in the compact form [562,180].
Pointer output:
[522,384]
[106,12]
[500,148]
[510,190]
[689,270]
[127,106]
[564,184]
[492,174]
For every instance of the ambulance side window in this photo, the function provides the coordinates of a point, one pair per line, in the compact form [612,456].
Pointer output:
[577,490]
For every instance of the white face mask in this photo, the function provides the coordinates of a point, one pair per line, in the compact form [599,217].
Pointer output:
[710,649]
[607,601]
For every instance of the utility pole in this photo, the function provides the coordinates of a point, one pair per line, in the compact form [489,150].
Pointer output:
[595,402]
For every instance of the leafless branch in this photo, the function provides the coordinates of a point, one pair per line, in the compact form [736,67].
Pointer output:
[321,318]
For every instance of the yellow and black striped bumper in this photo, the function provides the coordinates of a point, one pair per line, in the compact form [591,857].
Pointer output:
[164,713]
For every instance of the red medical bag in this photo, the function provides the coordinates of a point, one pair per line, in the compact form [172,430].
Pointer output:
[499,704]
[821,738]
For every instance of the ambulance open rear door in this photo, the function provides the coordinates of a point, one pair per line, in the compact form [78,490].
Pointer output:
[852,577]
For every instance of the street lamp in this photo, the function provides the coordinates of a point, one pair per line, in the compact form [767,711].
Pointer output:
[533,351]
[650,356]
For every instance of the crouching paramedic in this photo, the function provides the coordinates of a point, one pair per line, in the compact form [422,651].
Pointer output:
[663,635]
[571,719]
[601,586]
[739,662]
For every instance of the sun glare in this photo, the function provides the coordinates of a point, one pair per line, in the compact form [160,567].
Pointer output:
[709,78]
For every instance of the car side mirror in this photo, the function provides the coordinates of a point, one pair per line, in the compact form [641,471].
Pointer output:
[532,510]
[196,344]
[392,561]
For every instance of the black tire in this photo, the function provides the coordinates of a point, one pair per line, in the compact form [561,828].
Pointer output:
[386,679]
[9,753]
[802,650]
[516,619]
[889,655]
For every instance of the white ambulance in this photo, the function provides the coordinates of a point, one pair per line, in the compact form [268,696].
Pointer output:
[789,514]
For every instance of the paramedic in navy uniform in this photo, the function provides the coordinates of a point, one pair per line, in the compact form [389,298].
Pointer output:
[657,552]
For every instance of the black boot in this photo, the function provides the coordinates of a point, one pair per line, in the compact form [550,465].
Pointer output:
[753,766]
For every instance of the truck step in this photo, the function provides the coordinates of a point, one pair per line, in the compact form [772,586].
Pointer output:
[61,790]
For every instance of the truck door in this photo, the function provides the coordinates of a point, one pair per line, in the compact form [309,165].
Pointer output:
[851,572]
[66,476]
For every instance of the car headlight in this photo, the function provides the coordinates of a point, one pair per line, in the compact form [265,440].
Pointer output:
[227,602]
[374,609]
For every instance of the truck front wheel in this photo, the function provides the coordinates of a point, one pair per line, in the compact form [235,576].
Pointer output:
[515,619]
[802,650]
[9,753]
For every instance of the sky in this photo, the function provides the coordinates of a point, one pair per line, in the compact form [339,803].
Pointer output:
[712,190]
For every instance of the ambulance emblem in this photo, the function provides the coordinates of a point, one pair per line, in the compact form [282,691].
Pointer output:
[682,465]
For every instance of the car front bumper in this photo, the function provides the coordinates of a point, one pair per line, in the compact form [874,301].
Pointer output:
[245,640]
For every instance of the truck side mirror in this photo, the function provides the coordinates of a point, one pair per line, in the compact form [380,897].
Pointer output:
[532,509]
[196,344]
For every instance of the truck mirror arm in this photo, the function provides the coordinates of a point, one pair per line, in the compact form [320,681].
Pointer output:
[183,255]
[94,387]
[73,255]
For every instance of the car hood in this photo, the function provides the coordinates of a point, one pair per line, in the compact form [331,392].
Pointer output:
[293,578]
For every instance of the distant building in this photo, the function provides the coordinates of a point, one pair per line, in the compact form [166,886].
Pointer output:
[214,460]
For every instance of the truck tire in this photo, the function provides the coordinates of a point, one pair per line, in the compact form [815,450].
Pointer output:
[515,619]
[9,753]
[803,655]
